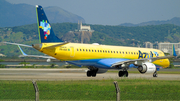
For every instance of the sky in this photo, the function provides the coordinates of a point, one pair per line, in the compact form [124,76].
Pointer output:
[114,12]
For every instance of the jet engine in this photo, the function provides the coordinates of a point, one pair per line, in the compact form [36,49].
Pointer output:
[147,68]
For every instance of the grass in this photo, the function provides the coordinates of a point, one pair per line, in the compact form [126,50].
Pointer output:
[130,89]
[16,90]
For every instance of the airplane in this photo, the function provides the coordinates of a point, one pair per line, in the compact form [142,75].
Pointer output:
[37,56]
[98,58]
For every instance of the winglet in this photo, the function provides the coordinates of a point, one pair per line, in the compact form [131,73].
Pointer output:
[173,51]
[22,51]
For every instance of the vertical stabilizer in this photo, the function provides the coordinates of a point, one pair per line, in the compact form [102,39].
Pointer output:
[46,34]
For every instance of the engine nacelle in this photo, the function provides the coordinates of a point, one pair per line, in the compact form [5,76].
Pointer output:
[147,68]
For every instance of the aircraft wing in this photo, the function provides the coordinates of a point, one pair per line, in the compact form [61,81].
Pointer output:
[140,61]
[143,60]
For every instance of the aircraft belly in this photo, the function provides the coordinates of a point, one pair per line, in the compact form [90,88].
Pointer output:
[92,62]
[104,63]
[99,63]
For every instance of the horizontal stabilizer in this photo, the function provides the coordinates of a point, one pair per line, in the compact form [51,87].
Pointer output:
[37,56]
[18,44]
[53,46]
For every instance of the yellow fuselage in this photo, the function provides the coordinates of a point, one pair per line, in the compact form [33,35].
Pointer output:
[77,51]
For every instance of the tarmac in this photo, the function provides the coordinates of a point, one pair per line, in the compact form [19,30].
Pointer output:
[72,74]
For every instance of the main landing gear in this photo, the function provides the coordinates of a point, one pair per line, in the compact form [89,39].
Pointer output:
[92,72]
[123,74]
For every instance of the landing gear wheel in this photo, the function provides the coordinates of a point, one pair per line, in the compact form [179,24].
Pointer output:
[155,74]
[123,74]
[89,73]
[120,74]
[93,73]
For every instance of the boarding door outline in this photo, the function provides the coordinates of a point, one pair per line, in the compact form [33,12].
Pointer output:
[72,51]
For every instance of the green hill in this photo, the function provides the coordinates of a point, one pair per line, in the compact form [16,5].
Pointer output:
[109,35]
[175,21]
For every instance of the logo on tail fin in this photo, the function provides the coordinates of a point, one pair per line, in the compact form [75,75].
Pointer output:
[46,27]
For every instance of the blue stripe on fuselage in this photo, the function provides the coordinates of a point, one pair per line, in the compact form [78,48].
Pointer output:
[102,63]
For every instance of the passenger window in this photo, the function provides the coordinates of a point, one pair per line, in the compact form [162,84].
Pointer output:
[117,51]
[83,50]
[86,50]
[92,50]
[89,50]
[77,50]
[80,49]
[100,50]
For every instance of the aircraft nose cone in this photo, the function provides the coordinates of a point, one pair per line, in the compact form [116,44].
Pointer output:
[37,46]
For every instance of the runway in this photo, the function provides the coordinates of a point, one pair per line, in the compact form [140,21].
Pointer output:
[72,74]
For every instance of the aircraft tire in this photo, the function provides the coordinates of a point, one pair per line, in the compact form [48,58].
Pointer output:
[155,74]
[125,73]
[93,74]
[121,73]
[89,73]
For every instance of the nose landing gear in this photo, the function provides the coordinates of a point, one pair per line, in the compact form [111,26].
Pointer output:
[155,74]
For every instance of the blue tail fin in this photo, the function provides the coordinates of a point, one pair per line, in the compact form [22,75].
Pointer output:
[46,34]
[174,52]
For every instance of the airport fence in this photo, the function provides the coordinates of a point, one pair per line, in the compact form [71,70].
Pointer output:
[100,90]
